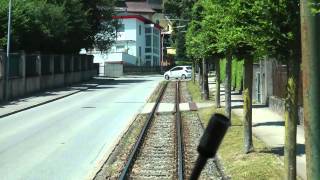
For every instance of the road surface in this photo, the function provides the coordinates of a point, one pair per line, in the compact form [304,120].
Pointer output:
[70,138]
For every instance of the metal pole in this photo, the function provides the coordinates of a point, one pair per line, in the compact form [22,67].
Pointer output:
[162,51]
[310,33]
[6,83]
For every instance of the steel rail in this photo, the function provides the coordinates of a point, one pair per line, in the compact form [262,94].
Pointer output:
[179,134]
[139,142]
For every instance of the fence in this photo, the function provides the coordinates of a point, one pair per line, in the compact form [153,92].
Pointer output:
[29,73]
[280,78]
[128,69]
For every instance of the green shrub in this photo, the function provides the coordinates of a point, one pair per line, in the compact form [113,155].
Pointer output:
[183,63]
[223,70]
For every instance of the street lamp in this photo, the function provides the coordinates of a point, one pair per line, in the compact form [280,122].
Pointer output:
[6,83]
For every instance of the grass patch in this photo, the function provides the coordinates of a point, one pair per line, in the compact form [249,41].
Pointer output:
[260,164]
[195,92]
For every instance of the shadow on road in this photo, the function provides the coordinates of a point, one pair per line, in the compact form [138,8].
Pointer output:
[92,85]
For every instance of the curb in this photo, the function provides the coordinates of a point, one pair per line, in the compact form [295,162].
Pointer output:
[42,103]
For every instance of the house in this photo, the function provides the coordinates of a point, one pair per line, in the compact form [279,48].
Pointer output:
[138,40]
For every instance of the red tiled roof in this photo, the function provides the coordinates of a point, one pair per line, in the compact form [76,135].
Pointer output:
[139,7]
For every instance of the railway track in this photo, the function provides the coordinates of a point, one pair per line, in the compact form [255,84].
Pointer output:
[159,151]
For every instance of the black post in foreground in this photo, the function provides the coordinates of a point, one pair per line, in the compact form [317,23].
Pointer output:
[210,142]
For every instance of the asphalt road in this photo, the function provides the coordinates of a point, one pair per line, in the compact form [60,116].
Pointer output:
[70,138]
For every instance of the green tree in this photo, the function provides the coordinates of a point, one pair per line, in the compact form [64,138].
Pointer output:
[181,11]
[291,27]
[59,26]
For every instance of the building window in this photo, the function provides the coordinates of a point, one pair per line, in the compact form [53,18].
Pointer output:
[156,32]
[121,28]
[155,61]
[148,50]
[139,51]
[140,30]
[120,48]
[148,40]
[148,30]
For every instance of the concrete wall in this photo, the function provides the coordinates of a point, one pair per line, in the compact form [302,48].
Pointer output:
[46,82]
[16,88]
[58,80]
[113,70]
[77,77]
[68,78]
[21,85]
[32,85]
[278,105]
[1,89]
[2,58]
[121,56]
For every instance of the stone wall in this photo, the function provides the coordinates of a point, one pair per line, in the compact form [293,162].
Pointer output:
[278,105]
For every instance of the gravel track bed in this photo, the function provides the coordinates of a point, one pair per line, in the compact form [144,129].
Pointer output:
[170,93]
[192,132]
[157,158]
[185,97]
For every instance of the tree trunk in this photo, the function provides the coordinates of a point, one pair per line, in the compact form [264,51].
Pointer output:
[247,104]
[310,26]
[205,85]
[227,85]
[193,71]
[217,95]
[291,119]
[200,75]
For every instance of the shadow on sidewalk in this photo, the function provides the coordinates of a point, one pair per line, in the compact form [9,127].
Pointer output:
[253,106]
[236,100]
[272,123]
[18,100]
[280,150]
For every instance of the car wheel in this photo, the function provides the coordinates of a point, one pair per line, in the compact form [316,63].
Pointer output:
[167,77]
[183,76]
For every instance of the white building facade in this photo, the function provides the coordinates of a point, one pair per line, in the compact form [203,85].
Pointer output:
[137,43]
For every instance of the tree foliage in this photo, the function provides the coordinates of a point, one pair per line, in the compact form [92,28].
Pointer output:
[180,10]
[58,26]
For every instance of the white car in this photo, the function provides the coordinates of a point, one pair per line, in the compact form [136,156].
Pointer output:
[182,72]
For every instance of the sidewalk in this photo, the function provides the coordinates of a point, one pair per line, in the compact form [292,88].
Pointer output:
[269,127]
[15,106]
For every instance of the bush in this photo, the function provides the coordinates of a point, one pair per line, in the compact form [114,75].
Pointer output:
[237,73]
[183,63]
[223,70]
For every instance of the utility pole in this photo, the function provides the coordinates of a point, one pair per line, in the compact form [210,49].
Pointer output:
[7,64]
[310,36]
